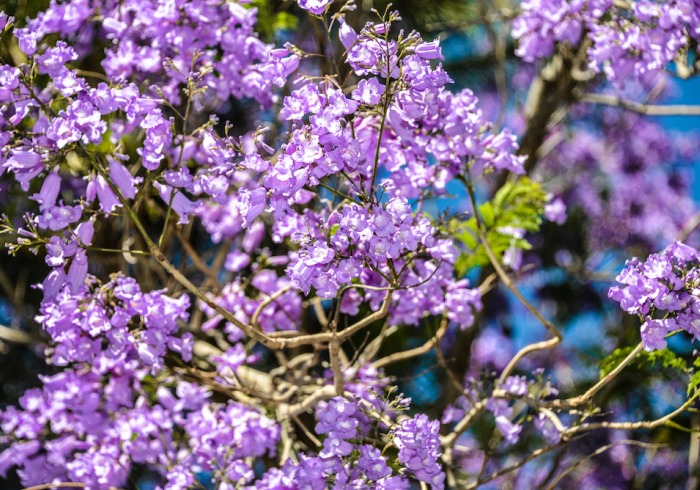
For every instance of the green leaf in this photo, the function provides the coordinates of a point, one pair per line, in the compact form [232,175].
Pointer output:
[613,360]
[517,205]
[469,238]
[284,21]
[694,382]
[667,358]
[488,214]
[463,264]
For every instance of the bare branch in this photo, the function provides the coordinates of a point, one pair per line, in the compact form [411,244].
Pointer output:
[377,315]
[586,397]
[307,403]
[652,424]
[533,455]
[49,486]
[415,352]
[648,109]
[14,335]
[266,302]
[508,282]
[449,440]
[595,453]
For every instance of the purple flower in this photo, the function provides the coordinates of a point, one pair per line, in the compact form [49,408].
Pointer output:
[180,204]
[461,303]
[122,179]
[77,272]
[98,187]
[252,204]
[372,463]
[516,385]
[49,191]
[27,39]
[429,51]
[347,35]
[555,211]
[57,218]
[84,231]
[158,139]
[546,426]
[654,334]
[316,7]
[510,431]
[53,60]
[369,91]
[26,164]
[53,284]
[419,449]
[319,253]
[229,361]
[236,260]
[338,416]
[499,407]
[9,81]
[662,283]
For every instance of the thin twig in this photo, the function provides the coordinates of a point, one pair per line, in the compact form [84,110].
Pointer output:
[533,455]
[508,282]
[651,424]
[689,227]
[588,395]
[307,403]
[595,453]
[415,352]
[15,336]
[196,259]
[648,109]
[449,440]
[265,303]
[48,486]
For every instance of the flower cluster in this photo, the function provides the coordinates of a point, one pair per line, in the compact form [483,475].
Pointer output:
[346,461]
[418,441]
[635,190]
[132,322]
[662,291]
[508,421]
[639,38]
[102,425]
[543,23]
[292,239]
[282,313]
[178,42]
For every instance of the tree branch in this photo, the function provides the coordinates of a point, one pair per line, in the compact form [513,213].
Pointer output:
[639,108]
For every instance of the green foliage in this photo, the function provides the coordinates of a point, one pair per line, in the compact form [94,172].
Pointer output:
[519,204]
[442,14]
[665,357]
[694,382]
[613,360]
[270,21]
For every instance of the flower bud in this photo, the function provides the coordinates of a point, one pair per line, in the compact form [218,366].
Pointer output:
[85,230]
[123,179]
[429,51]
[49,191]
[347,35]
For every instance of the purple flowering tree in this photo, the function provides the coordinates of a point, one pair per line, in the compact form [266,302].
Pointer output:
[246,244]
